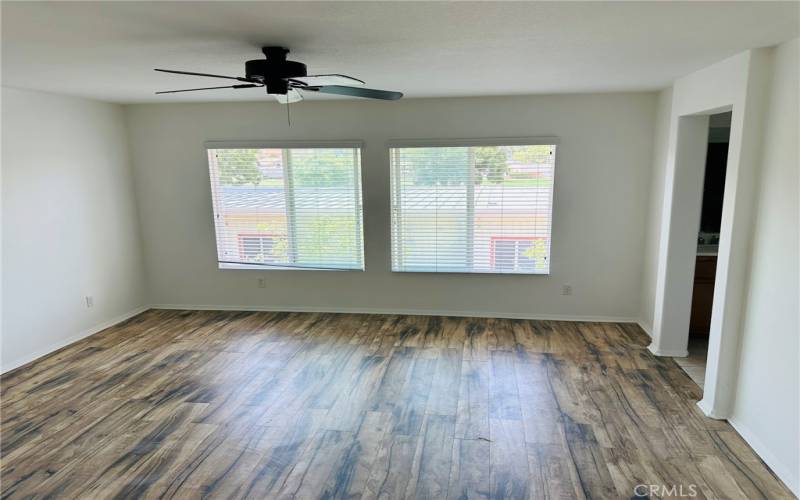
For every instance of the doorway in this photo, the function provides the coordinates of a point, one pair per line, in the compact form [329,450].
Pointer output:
[707,248]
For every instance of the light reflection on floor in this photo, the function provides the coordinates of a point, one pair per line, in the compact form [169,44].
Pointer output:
[695,363]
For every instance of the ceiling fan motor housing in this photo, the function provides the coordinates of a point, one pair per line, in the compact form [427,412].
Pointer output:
[274,69]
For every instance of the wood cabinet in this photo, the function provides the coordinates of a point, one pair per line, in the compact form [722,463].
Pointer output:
[705,271]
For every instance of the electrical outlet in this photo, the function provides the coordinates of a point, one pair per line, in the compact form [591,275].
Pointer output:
[89,301]
[566,289]
[262,283]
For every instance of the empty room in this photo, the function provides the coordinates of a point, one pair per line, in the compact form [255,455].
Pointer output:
[436,250]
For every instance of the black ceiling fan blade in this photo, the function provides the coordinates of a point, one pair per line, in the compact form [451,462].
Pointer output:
[387,95]
[238,78]
[246,86]
[330,79]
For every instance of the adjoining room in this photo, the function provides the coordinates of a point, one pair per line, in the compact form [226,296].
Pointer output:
[400,250]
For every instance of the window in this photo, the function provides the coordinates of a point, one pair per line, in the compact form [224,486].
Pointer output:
[287,208]
[475,208]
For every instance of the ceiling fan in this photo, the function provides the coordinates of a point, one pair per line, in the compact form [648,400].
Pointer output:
[285,80]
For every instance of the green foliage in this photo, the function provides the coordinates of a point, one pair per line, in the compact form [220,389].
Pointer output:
[310,168]
[280,248]
[447,166]
[434,166]
[238,167]
[325,238]
[322,167]
[490,164]
[334,238]
[537,251]
[529,155]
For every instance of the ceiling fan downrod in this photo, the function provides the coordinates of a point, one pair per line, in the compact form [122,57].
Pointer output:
[275,71]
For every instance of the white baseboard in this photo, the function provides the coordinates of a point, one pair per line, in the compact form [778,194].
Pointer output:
[709,410]
[648,329]
[789,477]
[409,312]
[71,339]
[678,353]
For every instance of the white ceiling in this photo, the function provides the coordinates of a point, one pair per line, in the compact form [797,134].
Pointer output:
[107,50]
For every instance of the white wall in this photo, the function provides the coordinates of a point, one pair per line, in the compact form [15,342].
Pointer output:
[722,86]
[752,370]
[739,84]
[70,227]
[766,409]
[602,178]
[656,201]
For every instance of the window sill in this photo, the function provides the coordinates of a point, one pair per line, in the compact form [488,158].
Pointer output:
[506,273]
[256,267]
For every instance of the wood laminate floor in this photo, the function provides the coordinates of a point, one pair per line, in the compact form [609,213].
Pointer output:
[181,404]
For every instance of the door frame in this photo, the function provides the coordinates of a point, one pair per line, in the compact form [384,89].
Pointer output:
[737,85]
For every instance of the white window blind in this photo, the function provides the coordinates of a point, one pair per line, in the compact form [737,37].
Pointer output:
[295,208]
[473,209]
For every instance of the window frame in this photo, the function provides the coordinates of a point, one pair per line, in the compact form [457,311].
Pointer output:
[394,207]
[290,228]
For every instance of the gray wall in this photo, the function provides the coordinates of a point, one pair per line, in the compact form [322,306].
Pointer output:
[602,176]
[70,226]
[656,202]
